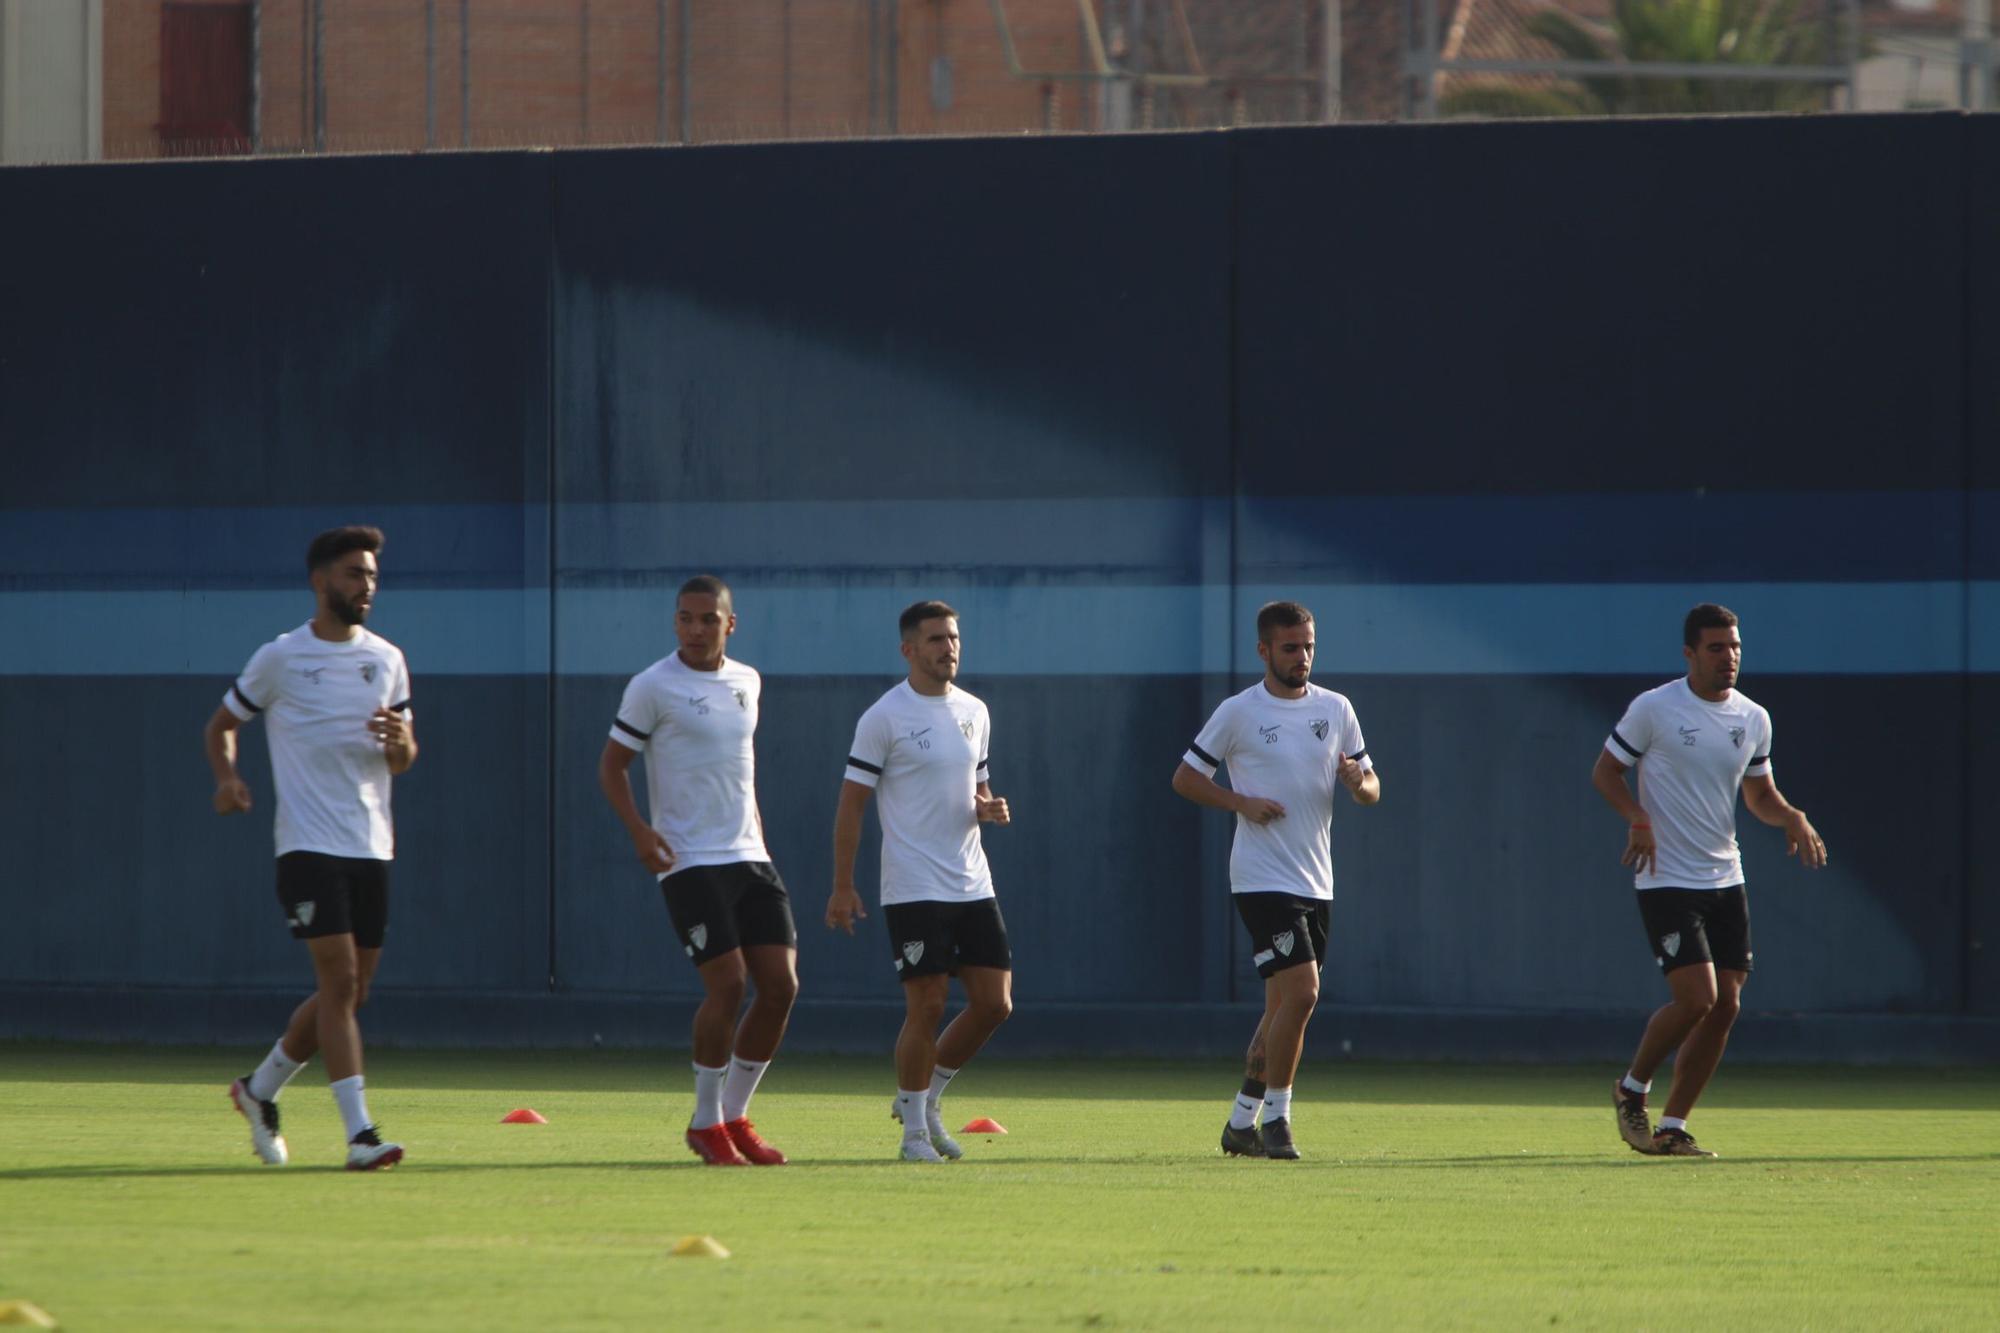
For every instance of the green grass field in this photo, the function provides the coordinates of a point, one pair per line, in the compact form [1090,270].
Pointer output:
[1430,1197]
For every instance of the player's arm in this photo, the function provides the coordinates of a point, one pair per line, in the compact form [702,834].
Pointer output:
[989,808]
[616,781]
[218,740]
[1608,776]
[1761,796]
[844,907]
[1198,787]
[397,735]
[1361,783]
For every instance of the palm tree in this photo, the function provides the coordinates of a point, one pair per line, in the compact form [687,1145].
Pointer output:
[1704,32]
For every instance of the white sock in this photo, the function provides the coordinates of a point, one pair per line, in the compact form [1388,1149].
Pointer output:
[940,1079]
[1277,1104]
[1244,1113]
[1631,1084]
[707,1096]
[1673,1122]
[741,1085]
[276,1071]
[916,1124]
[353,1104]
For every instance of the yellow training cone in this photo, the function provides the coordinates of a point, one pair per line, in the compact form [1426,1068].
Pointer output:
[25,1314]
[700,1247]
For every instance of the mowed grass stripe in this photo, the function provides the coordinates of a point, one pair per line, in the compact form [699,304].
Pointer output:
[1429,1197]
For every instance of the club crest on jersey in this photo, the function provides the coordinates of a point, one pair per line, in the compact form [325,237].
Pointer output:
[965,725]
[1283,941]
[742,698]
[699,702]
[1736,737]
[368,672]
[1672,944]
[1270,733]
[1688,734]
[1319,726]
[698,936]
[302,914]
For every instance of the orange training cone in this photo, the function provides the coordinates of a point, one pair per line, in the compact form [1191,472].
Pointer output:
[524,1117]
[984,1125]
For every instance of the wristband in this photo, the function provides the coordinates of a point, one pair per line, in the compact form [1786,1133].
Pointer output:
[1640,823]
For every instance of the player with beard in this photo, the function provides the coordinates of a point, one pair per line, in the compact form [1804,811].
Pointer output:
[1695,741]
[1288,745]
[923,747]
[336,699]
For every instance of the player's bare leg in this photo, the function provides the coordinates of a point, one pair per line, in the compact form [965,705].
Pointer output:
[989,1000]
[774,984]
[1289,999]
[725,980]
[1239,1134]
[916,1060]
[1693,991]
[1673,1026]
[1699,1055]
[337,965]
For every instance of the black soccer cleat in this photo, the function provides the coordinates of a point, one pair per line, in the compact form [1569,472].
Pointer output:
[1242,1142]
[1677,1143]
[1277,1137]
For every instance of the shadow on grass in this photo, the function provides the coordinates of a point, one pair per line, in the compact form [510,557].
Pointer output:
[1512,1162]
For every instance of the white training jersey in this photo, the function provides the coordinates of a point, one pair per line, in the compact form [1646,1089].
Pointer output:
[697,730]
[1285,750]
[926,756]
[316,697]
[1692,755]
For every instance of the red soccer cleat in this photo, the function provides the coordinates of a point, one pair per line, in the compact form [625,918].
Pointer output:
[751,1144]
[715,1147]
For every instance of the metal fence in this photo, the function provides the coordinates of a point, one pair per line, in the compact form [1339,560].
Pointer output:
[153,78]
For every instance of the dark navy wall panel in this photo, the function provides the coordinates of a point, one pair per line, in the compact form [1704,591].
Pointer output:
[911,320]
[1499,401]
[1593,306]
[342,330]
[125,875]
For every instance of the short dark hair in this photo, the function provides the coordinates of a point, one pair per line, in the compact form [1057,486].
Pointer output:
[1706,616]
[1280,615]
[708,585]
[334,543]
[918,612]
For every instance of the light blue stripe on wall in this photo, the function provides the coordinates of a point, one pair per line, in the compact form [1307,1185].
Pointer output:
[1020,629]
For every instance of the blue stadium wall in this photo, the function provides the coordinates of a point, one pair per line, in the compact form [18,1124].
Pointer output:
[1498,402]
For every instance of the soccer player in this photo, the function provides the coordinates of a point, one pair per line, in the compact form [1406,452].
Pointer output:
[694,715]
[1694,740]
[1288,745]
[336,699]
[923,746]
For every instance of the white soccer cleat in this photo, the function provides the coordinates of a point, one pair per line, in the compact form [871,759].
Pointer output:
[919,1150]
[945,1144]
[265,1140]
[367,1152]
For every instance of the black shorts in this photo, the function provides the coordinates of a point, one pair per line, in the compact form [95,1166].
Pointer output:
[1688,926]
[1285,930]
[335,895]
[720,908]
[927,939]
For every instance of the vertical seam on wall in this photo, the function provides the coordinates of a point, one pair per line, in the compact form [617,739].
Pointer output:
[1235,478]
[1966,915]
[550,526]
